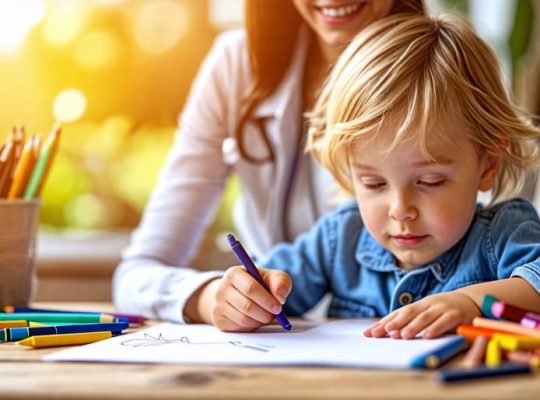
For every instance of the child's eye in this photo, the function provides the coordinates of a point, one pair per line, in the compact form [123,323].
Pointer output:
[373,186]
[431,184]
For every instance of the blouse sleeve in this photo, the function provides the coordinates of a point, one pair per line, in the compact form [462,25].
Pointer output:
[153,278]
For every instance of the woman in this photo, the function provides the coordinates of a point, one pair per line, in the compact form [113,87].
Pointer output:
[244,114]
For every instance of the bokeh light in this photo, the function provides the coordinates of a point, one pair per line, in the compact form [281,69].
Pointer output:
[16,19]
[69,105]
[97,50]
[64,23]
[159,24]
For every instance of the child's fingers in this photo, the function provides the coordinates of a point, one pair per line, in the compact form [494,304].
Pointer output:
[247,285]
[248,307]
[279,283]
[377,329]
[446,322]
[229,319]
[418,323]
[404,316]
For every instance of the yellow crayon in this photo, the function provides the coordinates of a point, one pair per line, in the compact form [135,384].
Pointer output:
[493,353]
[65,339]
[511,342]
[13,324]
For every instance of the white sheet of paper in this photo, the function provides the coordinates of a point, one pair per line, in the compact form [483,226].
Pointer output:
[334,343]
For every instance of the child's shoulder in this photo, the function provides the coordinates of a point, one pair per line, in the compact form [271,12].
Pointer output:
[343,214]
[511,211]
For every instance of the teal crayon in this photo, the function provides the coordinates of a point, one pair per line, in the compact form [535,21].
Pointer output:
[131,318]
[439,356]
[59,317]
[19,333]
[487,302]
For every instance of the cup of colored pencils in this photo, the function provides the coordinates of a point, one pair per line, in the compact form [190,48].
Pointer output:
[24,166]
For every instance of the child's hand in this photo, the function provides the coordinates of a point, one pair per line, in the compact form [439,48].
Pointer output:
[239,303]
[431,316]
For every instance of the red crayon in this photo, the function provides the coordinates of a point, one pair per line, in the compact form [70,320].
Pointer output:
[500,309]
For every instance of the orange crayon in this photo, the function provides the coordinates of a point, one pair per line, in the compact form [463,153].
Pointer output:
[505,327]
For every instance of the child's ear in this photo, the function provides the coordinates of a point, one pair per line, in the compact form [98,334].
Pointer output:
[491,165]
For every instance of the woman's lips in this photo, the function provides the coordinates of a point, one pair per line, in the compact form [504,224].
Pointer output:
[340,14]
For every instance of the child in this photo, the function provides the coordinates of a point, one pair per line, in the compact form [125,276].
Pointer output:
[414,120]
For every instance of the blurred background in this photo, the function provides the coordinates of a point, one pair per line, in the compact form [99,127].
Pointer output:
[117,73]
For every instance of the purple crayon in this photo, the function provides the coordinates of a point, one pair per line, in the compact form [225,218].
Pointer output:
[246,261]
[531,320]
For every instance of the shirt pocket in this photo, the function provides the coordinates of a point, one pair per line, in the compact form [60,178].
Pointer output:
[346,308]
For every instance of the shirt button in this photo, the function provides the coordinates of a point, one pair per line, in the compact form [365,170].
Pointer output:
[405,298]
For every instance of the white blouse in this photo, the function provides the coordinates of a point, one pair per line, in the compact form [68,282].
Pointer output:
[153,278]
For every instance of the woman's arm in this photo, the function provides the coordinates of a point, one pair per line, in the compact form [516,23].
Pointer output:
[185,199]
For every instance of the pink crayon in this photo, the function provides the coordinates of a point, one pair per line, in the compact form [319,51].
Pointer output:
[531,320]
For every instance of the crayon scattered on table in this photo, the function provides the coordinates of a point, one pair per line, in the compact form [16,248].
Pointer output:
[475,355]
[60,317]
[15,334]
[66,339]
[131,318]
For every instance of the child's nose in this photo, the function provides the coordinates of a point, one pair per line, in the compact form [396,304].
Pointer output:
[402,207]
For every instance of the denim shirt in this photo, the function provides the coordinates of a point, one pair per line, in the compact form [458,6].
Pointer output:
[340,257]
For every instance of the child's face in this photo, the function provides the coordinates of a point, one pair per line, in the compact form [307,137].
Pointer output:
[415,208]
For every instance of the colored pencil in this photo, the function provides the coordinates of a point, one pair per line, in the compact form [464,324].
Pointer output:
[29,156]
[15,334]
[66,339]
[43,164]
[505,326]
[7,159]
[59,317]
[131,318]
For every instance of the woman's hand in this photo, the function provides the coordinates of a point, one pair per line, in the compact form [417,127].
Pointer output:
[238,303]
[429,317]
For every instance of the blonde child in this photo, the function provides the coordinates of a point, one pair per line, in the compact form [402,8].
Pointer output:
[414,121]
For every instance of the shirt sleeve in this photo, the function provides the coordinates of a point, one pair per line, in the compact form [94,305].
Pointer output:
[153,278]
[308,262]
[515,242]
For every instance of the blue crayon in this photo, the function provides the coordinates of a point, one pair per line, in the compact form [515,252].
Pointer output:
[16,334]
[437,357]
[458,374]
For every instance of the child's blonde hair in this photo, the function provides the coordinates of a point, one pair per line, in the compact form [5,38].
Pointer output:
[417,72]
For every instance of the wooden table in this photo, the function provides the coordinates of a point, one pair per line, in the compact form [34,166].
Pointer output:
[23,375]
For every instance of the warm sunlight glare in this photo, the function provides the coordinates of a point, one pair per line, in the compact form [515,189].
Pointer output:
[97,50]
[69,105]
[17,17]
[64,23]
[159,24]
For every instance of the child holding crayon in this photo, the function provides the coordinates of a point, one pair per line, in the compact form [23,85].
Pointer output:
[414,121]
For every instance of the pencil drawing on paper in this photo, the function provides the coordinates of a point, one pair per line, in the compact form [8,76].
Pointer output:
[160,340]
